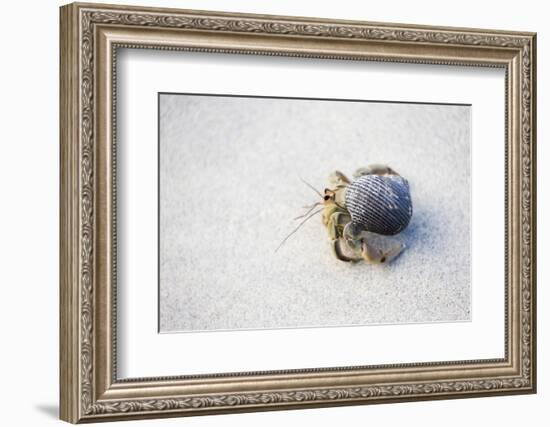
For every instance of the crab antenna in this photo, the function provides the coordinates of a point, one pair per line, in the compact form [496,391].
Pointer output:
[310,208]
[311,186]
[297,228]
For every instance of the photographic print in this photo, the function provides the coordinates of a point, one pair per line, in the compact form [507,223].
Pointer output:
[292,213]
[346,209]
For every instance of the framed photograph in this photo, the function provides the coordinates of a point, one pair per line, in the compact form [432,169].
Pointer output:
[266,212]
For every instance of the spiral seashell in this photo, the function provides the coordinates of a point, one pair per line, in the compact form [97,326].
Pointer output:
[380,203]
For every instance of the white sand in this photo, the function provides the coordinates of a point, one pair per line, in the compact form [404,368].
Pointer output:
[230,186]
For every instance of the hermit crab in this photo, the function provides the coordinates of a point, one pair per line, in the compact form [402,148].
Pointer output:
[377,202]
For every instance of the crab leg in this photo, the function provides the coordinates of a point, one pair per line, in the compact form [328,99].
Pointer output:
[335,226]
[376,256]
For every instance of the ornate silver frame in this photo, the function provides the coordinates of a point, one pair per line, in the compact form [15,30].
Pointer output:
[90,36]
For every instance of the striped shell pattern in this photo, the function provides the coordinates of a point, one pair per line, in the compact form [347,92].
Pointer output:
[380,203]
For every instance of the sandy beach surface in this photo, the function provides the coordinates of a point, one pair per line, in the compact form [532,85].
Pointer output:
[230,187]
